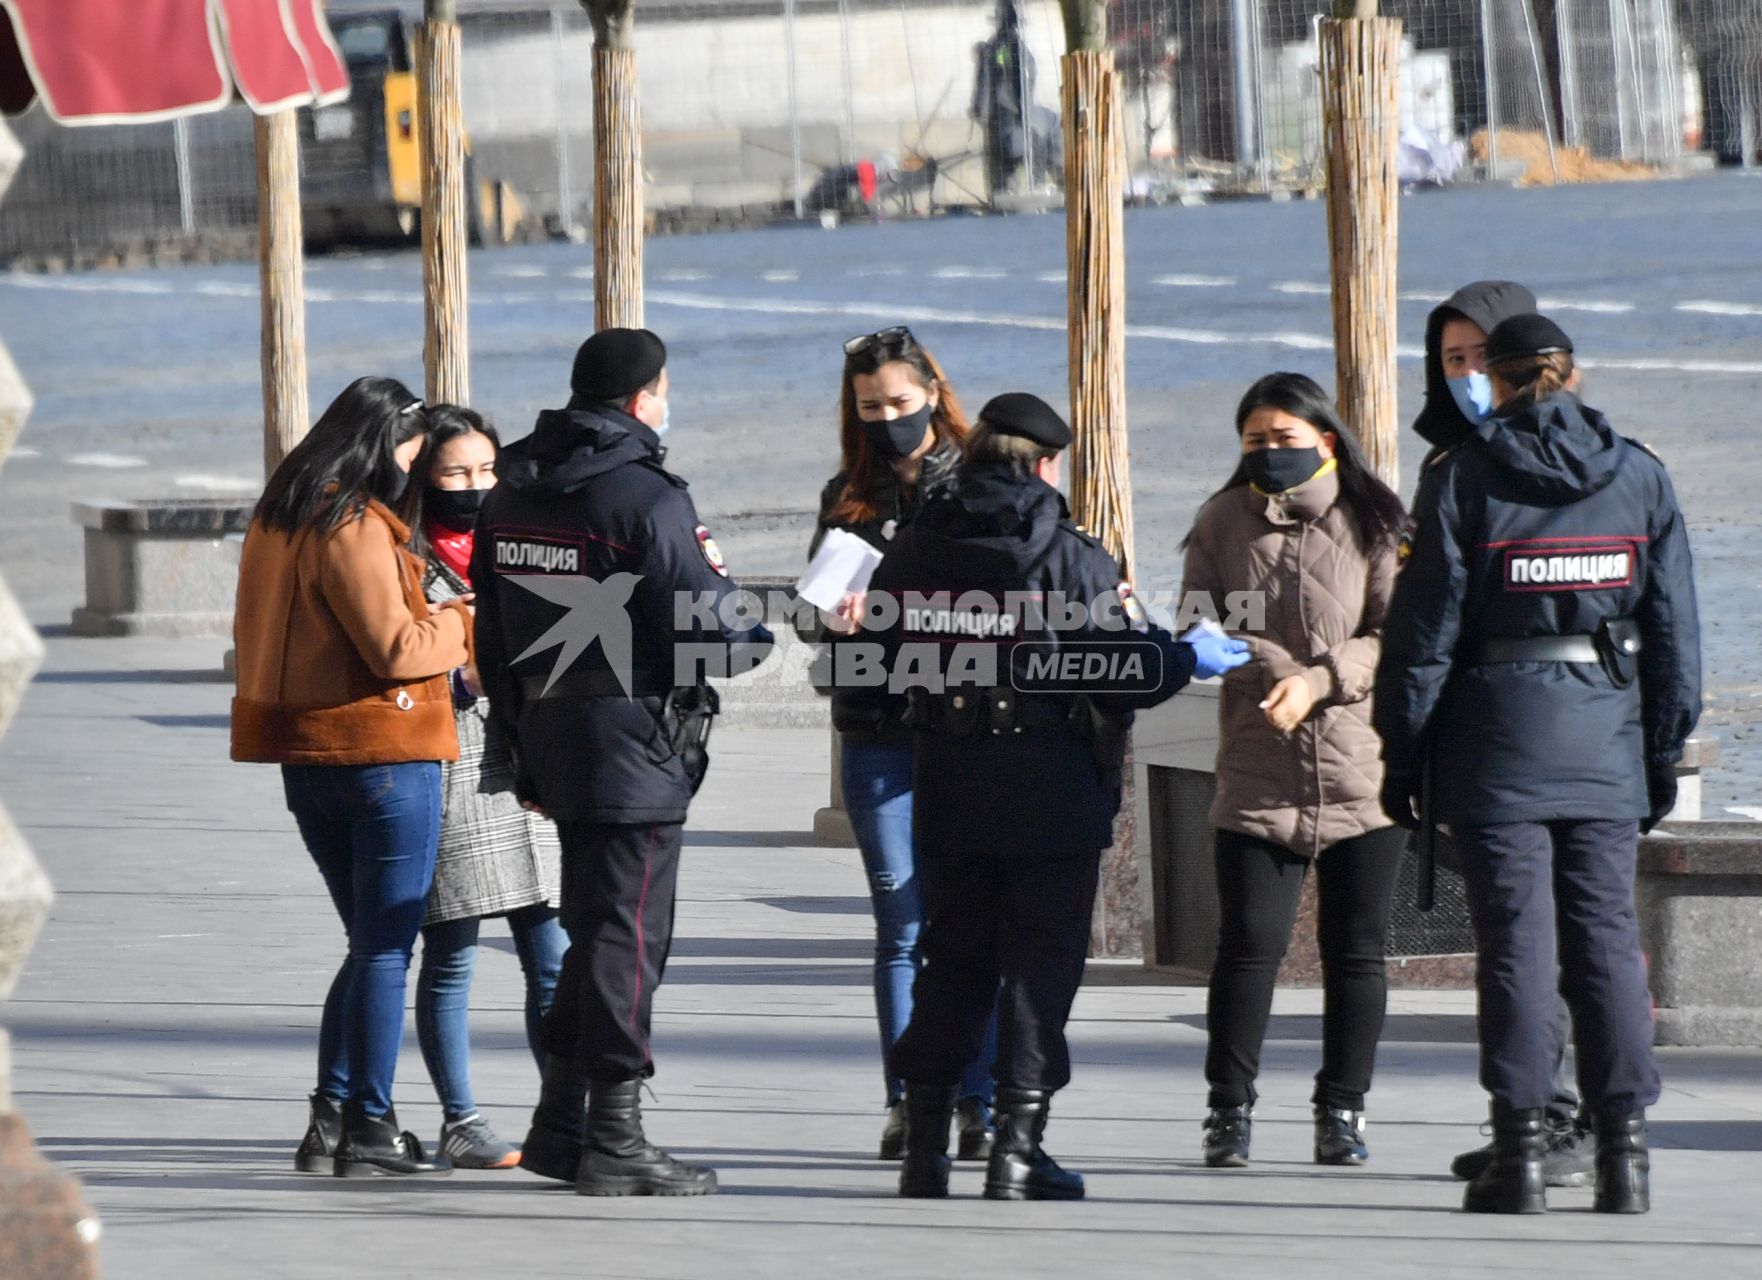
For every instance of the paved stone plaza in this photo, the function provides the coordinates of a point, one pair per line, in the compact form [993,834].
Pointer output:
[166,1024]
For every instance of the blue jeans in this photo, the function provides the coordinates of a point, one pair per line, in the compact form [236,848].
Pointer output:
[373,831]
[443,995]
[877,780]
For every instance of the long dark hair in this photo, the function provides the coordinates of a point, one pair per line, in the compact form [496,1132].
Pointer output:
[1376,512]
[445,422]
[345,460]
[857,503]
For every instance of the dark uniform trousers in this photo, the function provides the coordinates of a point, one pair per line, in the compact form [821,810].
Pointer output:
[994,915]
[618,889]
[1553,911]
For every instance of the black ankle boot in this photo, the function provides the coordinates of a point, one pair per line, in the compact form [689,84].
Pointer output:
[929,1111]
[1512,1182]
[1623,1165]
[620,1161]
[1339,1136]
[372,1147]
[1019,1168]
[324,1130]
[1228,1132]
[558,1136]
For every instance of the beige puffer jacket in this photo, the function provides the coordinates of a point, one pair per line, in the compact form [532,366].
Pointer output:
[1325,599]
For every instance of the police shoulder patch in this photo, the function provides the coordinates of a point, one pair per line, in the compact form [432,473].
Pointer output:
[712,553]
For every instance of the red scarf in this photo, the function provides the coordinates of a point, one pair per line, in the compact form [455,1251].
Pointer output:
[453,549]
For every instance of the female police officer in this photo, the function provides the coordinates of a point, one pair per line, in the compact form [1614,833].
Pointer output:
[1542,648]
[980,611]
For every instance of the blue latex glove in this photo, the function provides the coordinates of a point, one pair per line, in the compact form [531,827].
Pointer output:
[1214,651]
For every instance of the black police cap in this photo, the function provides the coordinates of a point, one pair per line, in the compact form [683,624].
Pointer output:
[1016,413]
[615,364]
[1526,335]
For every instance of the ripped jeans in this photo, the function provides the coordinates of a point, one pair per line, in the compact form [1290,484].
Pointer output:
[877,780]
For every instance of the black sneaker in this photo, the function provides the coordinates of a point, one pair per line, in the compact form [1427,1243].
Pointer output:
[1571,1158]
[471,1144]
[1569,1161]
[1227,1134]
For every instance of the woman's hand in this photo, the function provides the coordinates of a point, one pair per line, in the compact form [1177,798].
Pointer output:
[847,619]
[472,681]
[1289,704]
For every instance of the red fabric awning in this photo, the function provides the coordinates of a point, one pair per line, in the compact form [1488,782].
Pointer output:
[104,62]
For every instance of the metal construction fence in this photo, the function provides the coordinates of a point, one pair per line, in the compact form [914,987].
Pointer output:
[782,105]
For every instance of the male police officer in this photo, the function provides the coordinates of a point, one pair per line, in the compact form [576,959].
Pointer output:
[597,590]
[1003,612]
[1543,645]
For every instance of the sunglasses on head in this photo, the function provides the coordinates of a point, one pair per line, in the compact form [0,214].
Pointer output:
[897,338]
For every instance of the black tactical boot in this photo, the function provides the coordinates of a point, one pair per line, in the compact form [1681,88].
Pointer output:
[558,1136]
[372,1147]
[893,1132]
[620,1161]
[973,1121]
[1339,1136]
[324,1129]
[1512,1182]
[1227,1134]
[1019,1168]
[929,1110]
[1623,1166]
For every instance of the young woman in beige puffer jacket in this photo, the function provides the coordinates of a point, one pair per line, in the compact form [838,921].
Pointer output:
[1309,533]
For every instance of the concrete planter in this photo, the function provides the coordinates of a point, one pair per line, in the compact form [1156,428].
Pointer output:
[1700,904]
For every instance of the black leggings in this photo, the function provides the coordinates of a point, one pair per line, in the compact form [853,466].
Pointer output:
[1258,887]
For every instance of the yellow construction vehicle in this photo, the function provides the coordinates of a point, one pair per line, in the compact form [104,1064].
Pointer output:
[361,160]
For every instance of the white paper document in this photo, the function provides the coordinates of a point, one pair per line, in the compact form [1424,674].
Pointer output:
[844,564]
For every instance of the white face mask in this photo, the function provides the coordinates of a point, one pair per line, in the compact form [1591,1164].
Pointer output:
[666,422]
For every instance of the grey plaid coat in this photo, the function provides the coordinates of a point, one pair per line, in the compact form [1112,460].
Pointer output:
[494,857]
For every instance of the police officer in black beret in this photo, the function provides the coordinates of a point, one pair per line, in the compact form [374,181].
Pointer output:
[1014,639]
[1542,658]
[599,614]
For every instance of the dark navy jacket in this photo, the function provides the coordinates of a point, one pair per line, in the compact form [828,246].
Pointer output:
[1041,792]
[1542,524]
[591,570]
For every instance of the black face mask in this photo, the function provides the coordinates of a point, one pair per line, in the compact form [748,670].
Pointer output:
[901,437]
[400,481]
[1276,470]
[454,509]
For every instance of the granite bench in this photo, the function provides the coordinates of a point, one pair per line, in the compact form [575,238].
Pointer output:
[160,567]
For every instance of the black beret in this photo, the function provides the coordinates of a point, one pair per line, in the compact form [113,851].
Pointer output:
[615,364]
[1526,335]
[1016,413]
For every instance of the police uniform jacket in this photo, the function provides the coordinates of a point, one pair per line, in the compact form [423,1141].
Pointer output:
[591,569]
[1546,523]
[895,505]
[1041,792]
